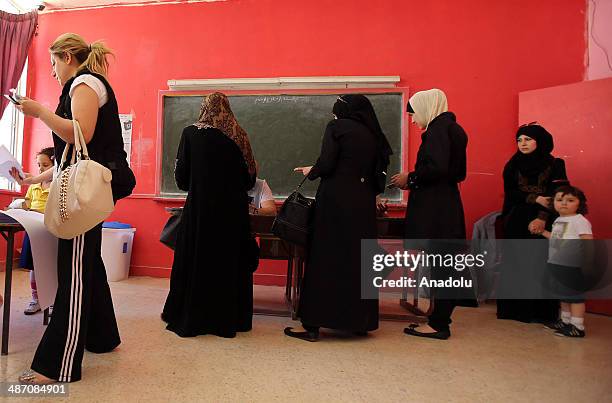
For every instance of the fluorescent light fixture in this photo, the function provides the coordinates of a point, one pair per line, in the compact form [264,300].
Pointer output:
[285,83]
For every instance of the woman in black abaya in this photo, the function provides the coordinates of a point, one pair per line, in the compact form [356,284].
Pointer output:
[354,149]
[435,209]
[211,287]
[530,178]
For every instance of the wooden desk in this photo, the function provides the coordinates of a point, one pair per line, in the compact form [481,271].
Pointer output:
[8,228]
[393,228]
[272,247]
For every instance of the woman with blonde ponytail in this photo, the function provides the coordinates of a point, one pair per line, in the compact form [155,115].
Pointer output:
[83,314]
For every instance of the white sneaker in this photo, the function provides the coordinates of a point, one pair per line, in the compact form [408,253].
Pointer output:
[32,308]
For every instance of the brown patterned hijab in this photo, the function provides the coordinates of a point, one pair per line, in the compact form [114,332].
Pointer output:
[216,113]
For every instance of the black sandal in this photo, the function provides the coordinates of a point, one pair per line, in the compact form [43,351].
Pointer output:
[307,336]
[439,335]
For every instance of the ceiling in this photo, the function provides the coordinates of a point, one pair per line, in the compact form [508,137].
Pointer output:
[51,5]
[62,4]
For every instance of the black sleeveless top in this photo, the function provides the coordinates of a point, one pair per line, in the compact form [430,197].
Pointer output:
[106,145]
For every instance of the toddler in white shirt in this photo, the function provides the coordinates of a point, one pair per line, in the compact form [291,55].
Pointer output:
[565,258]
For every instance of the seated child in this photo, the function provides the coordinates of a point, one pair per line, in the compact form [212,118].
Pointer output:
[262,200]
[36,200]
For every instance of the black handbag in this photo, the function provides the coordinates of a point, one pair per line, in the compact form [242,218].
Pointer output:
[251,254]
[170,230]
[123,181]
[293,221]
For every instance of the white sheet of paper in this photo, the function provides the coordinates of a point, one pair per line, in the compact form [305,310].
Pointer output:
[126,133]
[7,161]
[44,253]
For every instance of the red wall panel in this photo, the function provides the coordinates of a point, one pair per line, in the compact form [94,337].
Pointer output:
[579,116]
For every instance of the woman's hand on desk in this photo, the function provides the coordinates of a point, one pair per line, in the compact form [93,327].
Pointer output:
[267,208]
[304,170]
[381,207]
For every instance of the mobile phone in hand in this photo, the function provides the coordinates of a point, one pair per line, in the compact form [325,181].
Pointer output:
[13,100]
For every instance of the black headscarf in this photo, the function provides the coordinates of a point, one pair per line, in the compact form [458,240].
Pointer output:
[538,160]
[358,107]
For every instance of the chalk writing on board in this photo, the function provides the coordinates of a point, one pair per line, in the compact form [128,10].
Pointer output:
[278,99]
[295,121]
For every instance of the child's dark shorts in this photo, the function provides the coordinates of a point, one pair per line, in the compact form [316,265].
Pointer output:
[567,283]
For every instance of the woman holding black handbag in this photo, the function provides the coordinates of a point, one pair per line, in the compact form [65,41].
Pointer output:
[353,154]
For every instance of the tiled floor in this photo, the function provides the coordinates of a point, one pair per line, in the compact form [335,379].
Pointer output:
[486,360]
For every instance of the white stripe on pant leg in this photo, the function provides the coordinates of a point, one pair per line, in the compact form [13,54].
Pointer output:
[79,304]
[76,311]
[70,333]
[76,319]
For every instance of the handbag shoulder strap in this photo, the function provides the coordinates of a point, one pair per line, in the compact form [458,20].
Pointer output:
[301,183]
[64,157]
[80,148]
[79,141]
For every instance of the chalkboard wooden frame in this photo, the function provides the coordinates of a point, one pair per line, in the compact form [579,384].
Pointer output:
[404,157]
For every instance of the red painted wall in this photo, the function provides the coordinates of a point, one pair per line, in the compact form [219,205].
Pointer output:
[580,118]
[482,53]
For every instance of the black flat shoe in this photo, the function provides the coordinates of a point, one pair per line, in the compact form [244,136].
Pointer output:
[307,336]
[360,334]
[163,317]
[441,335]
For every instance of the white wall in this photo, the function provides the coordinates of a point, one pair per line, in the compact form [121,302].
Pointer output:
[600,39]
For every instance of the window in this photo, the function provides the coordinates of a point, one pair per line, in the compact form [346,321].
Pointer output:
[8,6]
[11,131]
[19,6]
[11,122]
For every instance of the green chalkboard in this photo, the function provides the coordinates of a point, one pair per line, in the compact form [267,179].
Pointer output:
[285,131]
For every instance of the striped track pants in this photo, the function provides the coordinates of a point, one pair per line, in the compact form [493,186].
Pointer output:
[83,315]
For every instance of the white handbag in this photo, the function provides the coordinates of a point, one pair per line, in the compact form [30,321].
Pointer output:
[80,196]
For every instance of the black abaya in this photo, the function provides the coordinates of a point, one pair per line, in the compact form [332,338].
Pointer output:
[520,208]
[435,210]
[211,286]
[345,213]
